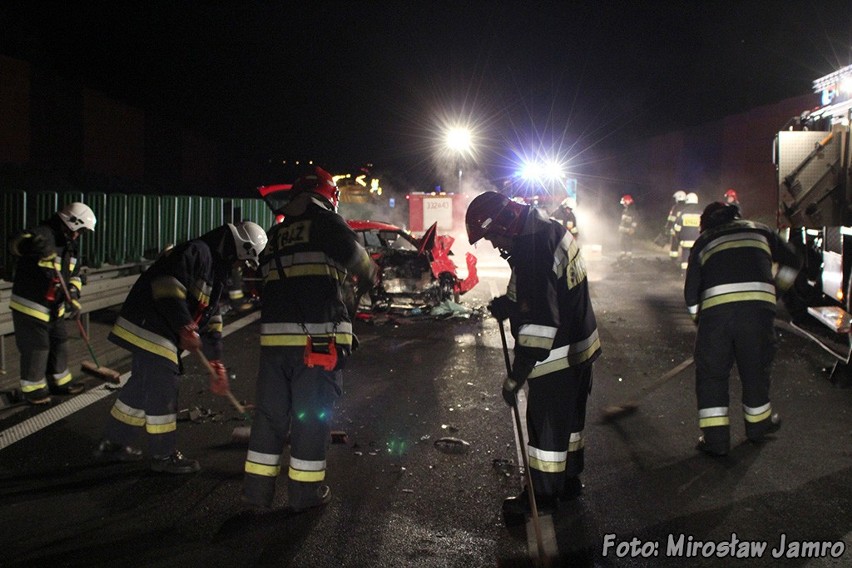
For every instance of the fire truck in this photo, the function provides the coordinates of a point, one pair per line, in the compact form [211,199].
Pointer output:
[812,158]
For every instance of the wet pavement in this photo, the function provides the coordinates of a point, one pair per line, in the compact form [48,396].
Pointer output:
[424,452]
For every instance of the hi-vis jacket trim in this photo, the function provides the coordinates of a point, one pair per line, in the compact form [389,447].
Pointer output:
[267,465]
[145,339]
[307,264]
[547,461]
[162,424]
[36,292]
[733,241]
[62,378]
[733,263]
[29,307]
[180,288]
[569,355]
[757,414]
[127,414]
[711,417]
[304,266]
[29,386]
[554,322]
[739,292]
[307,471]
[293,334]
[531,335]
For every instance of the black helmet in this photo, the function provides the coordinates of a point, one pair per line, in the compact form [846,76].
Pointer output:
[718,213]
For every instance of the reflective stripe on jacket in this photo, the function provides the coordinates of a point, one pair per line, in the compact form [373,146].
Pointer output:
[554,322]
[36,291]
[732,264]
[180,288]
[305,265]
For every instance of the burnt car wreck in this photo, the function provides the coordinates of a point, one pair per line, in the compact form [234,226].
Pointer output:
[414,273]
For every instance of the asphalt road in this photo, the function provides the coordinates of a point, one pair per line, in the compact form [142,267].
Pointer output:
[650,499]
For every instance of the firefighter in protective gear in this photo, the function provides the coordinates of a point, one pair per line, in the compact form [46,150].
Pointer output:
[566,217]
[306,335]
[687,227]
[556,339]
[730,197]
[674,213]
[730,291]
[627,228]
[38,303]
[173,306]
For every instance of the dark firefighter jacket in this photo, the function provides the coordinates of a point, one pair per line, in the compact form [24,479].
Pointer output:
[305,264]
[671,220]
[37,291]
[567,219]
[730,267]
[552,320]
[688,224]
[627,225]
[181,287]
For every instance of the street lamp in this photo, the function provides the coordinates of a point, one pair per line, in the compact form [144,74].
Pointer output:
[459,141]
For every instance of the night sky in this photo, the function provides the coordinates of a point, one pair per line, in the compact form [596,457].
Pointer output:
[345,83]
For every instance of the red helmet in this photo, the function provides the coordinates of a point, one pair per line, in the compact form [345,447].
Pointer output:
[730,195]
[492,213]
[627,199]
[320,182]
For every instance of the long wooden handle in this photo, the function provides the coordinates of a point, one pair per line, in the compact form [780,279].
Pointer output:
[236,404]
[527,473]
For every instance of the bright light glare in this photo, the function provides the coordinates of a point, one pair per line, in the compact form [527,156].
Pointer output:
[531,170]
[554,170]
[459,139]
[535,170]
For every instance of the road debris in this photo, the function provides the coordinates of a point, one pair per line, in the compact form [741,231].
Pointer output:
[504,466]
[450,445]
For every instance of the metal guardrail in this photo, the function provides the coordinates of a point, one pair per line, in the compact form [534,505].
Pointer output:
[105,287]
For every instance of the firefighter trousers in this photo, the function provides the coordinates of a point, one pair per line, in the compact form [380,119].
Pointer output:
[149,399]
[726,335]
[293,401]
[556,416]
[43,347]
[674,251]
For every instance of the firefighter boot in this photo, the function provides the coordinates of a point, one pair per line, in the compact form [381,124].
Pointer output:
[317,498]
[517,509]
[759,431]
[174,463]
[69,389]
[258,492]
[37,398]
[573,488]
[717,450]
[108,451]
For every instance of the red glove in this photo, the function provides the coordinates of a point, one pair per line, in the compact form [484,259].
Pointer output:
[188,337]
[219,378]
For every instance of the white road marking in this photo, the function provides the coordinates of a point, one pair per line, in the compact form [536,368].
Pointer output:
[54,414]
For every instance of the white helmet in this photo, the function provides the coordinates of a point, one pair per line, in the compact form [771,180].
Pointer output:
[250,240]
[569,202]
[692,197]
[78,216]
[679,196]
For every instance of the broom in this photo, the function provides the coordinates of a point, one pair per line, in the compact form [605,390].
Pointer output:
[531,491]
[94,369]
[616,411]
